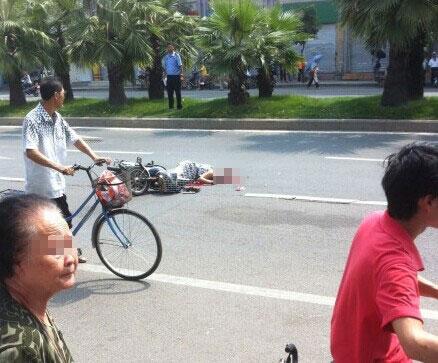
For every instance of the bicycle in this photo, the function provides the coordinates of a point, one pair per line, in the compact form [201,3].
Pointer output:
[115,235]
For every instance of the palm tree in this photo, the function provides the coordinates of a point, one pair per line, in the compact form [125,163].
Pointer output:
[310,24]
[23,47]
[116,36]
[404,25]
[55,18]
[167,25]
[226,40]
[273,40]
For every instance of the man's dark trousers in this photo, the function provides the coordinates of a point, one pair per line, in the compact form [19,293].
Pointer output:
[433,74]
[174,85]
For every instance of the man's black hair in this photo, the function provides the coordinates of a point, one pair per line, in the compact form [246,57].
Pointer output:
[17,226]
[48,87]
[410,175]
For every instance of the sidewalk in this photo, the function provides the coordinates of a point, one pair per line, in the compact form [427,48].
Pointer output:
[355,125]
[89,86]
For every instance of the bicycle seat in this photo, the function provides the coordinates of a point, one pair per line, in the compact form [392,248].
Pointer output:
[114,168]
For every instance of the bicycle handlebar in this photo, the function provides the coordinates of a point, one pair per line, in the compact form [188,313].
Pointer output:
[84,168]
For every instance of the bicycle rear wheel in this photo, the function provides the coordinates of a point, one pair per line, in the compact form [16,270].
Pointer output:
[127,244]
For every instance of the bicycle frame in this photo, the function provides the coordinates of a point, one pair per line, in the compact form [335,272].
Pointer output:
[87,215]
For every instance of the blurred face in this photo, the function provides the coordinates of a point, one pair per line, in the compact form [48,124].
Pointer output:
[59,98]
[49,264]
[170,48]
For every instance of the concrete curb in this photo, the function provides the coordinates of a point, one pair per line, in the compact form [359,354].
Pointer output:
[429,126]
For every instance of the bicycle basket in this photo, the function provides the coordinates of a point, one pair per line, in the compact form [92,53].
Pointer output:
[111,191]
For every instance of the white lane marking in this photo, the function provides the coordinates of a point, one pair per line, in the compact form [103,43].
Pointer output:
[352,159]
[5,178]
[116,152]
[5,158]
[245,131]
[257,131]
[370,202]
[314,199]
[91,138]
[84,137]
[226,287]
[241,289]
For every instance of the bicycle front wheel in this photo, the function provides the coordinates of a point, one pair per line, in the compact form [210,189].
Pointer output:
[127,244]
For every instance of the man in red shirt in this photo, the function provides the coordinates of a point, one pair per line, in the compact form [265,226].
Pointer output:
[377,315]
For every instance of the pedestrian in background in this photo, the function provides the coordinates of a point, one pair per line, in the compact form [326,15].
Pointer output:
[37,261]
[433,64]
[173,72]
[313,75]
[301,67]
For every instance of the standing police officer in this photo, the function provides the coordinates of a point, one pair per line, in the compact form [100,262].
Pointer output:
[172,65]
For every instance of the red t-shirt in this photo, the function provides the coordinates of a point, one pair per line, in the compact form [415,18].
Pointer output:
[379,285]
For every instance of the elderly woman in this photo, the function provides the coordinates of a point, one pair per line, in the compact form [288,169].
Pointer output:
[36,262]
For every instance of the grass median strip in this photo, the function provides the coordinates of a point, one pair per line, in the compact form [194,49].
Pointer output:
[281,107]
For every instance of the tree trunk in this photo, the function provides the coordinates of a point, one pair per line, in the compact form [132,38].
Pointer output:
[415,72]
[87,6]
[117,94]
[395,88]
[265,84]
[16,94]
[237,95]
[66,83]
[156,86]
[62,66]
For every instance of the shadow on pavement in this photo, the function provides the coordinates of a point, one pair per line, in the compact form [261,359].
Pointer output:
[85,289]
[327,143]
[186,134]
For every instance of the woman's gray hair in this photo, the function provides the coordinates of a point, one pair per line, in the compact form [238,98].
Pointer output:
[18,215]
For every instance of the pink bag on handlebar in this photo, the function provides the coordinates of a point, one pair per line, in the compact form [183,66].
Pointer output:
[111,191]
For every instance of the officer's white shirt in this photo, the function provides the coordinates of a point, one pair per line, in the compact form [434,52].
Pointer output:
[433,63]
[50,136]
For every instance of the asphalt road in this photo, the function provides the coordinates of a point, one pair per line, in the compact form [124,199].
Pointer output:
[240,276]
[323,92]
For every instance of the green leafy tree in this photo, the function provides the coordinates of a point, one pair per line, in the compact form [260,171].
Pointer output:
[273,38]
[226,39]
[404,25]
[310,24]
[55,17]
[116,36]
[23,47]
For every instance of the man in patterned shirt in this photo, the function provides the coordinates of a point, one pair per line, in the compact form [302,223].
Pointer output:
[45,138]
[36,262]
